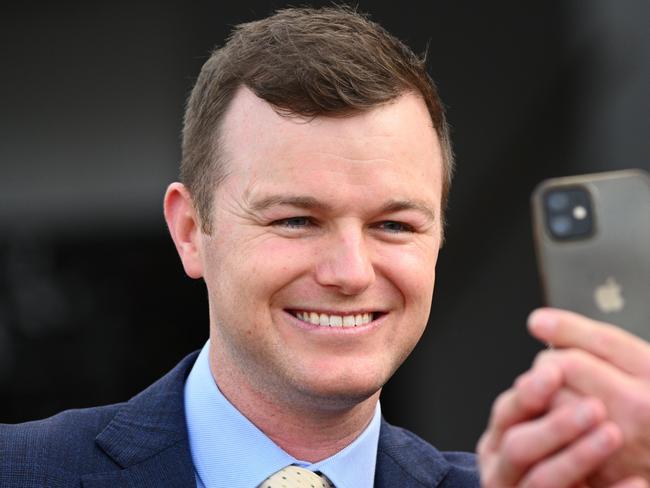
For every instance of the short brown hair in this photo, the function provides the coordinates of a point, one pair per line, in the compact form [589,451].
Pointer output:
[307,62]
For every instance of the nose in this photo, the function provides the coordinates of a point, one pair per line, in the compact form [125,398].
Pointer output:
[345,263]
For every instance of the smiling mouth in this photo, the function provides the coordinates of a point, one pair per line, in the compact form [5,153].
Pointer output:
[332,320]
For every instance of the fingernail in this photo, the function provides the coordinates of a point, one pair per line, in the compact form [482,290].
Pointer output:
[585,415]
[605,439]
[540,381]
[543,322]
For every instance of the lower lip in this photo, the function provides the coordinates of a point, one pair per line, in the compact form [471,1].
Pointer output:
[325,329]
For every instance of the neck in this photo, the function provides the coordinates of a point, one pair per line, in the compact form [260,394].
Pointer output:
[307,430]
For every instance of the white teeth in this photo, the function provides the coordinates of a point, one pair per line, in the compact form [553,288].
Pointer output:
[335,320]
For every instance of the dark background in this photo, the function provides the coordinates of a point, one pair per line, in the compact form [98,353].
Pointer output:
[94,305]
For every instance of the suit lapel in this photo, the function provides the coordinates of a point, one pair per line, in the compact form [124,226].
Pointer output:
[147,438]
[405,460]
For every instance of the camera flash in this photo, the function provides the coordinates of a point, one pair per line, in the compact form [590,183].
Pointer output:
[579,212]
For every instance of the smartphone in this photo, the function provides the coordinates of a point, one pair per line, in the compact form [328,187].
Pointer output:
[592,240]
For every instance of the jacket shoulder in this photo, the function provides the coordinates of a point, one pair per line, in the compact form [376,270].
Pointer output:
[404,459]
[56,450]
[142,442]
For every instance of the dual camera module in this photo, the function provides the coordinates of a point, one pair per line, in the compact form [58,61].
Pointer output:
[569,213]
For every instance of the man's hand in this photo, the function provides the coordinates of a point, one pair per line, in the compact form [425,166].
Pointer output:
[603,361]
[532,443]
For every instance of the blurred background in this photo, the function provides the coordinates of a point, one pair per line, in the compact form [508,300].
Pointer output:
[94,305]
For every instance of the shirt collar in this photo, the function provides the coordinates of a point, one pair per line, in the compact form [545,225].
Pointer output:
[229,450]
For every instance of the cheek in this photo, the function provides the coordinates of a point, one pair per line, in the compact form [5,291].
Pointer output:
[412,270]
[260,268]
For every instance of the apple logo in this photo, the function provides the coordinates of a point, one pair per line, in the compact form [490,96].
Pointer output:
[608,296]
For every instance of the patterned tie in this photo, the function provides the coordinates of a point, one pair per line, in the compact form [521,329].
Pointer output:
[296,477]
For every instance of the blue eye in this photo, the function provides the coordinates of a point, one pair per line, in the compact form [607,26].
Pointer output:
[293,222]
[395,227]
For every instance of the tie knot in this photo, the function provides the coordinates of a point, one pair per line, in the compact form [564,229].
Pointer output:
[296,477]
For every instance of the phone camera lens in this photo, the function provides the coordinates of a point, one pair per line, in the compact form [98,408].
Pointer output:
[557,201]
[561,225]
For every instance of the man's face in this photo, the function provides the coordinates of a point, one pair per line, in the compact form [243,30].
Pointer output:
[321,262]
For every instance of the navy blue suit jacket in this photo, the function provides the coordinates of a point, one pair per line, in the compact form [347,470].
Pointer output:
[143,443]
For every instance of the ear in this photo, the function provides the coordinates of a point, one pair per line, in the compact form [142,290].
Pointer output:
[184,227]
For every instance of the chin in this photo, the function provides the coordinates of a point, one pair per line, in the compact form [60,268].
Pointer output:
[342,392]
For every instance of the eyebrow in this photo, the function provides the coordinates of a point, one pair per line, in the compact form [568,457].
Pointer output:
[310,203]
[417,205]
[299,201]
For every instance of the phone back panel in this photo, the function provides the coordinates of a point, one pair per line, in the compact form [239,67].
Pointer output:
[590,274]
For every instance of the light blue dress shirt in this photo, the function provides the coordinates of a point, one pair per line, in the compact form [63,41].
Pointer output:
[229,451]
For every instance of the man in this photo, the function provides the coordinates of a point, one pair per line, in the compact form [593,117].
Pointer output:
[316,165]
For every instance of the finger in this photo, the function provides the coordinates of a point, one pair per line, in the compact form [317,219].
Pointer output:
[562,328]
[529,442]
[531,395]
[588,375]
[565,396]
[573,464]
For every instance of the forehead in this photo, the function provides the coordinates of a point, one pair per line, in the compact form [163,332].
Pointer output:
[391,148]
